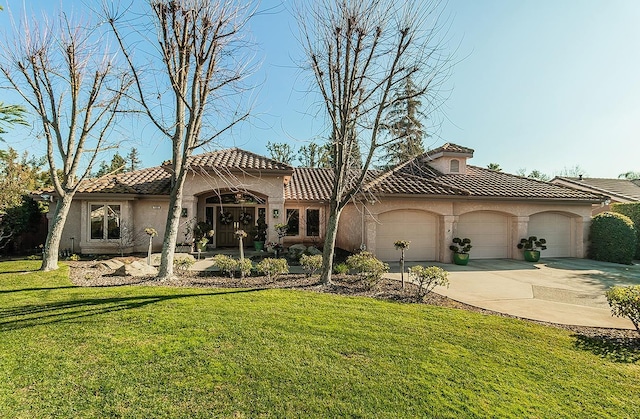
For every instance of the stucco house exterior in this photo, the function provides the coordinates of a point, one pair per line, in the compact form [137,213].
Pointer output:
[428,200]
[625,191]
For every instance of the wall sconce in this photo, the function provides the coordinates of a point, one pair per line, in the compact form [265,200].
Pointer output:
[184,213]
[276,213]
[236,225]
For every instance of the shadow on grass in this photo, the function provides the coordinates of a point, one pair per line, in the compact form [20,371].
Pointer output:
[10,291]
[622,349]
[24,316]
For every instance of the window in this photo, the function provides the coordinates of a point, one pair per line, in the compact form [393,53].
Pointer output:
[293,221]
[313,222]
[105,221]
[454,166]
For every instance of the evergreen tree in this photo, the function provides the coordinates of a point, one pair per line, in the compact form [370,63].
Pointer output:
[403,126]
[133,159]
[495,167]
[118,165]
[10,115]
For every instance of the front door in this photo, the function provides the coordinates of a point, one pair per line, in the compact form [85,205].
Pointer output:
[227,219]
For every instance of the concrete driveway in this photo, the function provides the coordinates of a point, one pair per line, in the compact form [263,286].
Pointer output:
[557,290]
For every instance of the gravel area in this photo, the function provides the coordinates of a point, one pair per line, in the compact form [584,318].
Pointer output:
[94,274]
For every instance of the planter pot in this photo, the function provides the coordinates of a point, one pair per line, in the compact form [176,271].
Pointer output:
[532,255]
[259,246]
[461,258]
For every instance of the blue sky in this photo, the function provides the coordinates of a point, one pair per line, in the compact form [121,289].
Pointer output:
[539,84]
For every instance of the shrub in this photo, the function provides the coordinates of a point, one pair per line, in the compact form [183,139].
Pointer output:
[74,257]
[272,268]
[427,278]
[311,264]
[226,264]
[633,212]
[245,266]
[625,302]
[613,238]
[368,268]
[461,245]
[340,268]
[183,263]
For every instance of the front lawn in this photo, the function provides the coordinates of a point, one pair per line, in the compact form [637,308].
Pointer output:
[135,351]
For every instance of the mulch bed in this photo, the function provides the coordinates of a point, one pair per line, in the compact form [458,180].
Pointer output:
[91,274]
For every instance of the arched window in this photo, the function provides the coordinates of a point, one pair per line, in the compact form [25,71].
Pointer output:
[454,166]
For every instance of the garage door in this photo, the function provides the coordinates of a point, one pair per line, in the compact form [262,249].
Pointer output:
[556,229]
[489,234]
[417,226]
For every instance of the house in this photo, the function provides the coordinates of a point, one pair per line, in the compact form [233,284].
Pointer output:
[616,190]
[428,200]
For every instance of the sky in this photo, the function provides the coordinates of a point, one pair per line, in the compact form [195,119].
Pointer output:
[538,84]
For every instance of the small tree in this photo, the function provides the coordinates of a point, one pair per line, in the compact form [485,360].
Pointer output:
[427,278]
[625,302]
[402,245]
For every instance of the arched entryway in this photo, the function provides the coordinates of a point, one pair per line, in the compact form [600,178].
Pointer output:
[230,211]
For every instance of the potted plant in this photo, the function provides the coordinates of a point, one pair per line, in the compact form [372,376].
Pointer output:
[532,247]
[461,248]
[259,234]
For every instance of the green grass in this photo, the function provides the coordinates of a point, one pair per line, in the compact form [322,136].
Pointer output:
[170,352]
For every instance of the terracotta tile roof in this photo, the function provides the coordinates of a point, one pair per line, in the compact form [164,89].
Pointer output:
[622,189]
[307,184]
[236,158]
[490,183]
[151,181]
[414,177]
[451,148]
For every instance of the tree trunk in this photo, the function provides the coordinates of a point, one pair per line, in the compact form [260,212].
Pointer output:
[165,271]
[52,245]
[330,244]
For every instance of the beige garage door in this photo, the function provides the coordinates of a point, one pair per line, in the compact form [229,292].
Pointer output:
[556,229]
[417,226]
[489,234]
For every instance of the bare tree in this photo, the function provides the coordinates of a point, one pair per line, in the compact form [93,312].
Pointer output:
[360,53]
[203,59]
[69,80]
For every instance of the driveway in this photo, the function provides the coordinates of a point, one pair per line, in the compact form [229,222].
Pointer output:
[557,290]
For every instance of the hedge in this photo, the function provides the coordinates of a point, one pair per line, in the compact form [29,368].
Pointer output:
[632,211]
[613,238]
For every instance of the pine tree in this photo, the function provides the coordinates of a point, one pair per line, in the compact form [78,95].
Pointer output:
[11,115]
[314,155]
[281,152]
[133,159]
[404,127]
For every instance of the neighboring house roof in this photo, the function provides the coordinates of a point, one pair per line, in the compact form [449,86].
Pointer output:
[414,177]
[618,189]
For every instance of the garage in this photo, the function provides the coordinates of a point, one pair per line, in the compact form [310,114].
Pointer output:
[556,229]
[489,234]
[419,227]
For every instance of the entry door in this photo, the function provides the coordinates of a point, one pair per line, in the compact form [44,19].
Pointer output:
[226,230]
